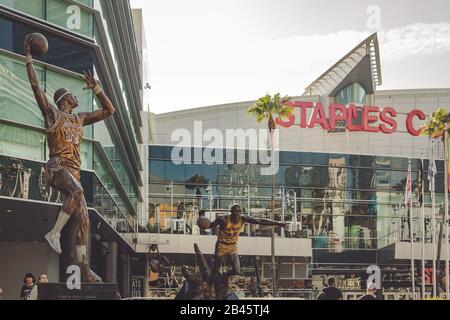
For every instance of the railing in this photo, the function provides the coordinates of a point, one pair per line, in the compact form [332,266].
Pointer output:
[105,204]
[389,239]
[26,179]
[403,236]
[300,294]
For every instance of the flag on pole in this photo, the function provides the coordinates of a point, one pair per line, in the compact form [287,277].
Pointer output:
[448,157]
[432,166]
[421,183]
[408,192]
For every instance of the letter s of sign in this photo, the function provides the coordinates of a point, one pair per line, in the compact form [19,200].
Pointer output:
[387,116]
[375,275]
[291,119]
[74,280]
[74,20]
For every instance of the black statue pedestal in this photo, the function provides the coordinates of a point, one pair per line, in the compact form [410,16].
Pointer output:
[197,285]
[89,291]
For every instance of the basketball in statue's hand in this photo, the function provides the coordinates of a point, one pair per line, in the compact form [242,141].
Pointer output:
[204,223]
[38,44]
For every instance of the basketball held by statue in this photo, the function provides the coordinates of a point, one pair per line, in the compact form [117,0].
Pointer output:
[204,223]
[38,44]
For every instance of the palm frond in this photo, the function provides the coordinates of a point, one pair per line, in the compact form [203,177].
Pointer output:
[269,107]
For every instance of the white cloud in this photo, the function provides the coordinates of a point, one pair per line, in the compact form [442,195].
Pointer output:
[212,68]
[415,39]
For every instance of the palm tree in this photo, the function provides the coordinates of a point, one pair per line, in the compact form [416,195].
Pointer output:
[435,128]
[269,108]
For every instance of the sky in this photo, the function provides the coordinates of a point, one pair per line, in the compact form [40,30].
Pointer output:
[209,52]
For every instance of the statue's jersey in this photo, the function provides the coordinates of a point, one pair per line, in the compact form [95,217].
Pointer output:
[228,237]
[64,141]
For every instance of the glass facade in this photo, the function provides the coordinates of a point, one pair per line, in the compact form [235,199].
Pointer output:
[16,99]
[34,8]
[352,94]
[350,206]
[21,122]
[121,76]
[16,172]
[69,16]
[110,164]
[62,53]
[23,143]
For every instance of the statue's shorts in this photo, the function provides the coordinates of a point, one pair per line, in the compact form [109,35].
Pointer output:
[56,164]
[223,249]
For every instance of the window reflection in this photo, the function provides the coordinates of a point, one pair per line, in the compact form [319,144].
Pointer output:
[354,93]
[343,202]
[62,53]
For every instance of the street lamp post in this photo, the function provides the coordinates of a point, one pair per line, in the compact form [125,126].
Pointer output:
[409,208]
[447,289]
[283,204]
[292,191]
[247,192]
[170,188]
[210,198]
[433,224]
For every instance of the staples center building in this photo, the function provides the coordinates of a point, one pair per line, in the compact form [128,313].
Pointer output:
[341,181]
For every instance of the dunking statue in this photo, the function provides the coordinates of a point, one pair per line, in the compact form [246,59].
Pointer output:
[64,132]
[230,227]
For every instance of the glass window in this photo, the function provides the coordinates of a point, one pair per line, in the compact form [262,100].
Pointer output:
[62,53]
[314,158]
[22,143]
[210,173]
[160,152]
[258,178]
[70,17]
[110,36]
[104,175]
[174,172]
[86,155]
[89,3]
[289,157]
[117,164]
[17,102]
[157,173]
[194,174]
[101,134]
[352,94]
[34,8]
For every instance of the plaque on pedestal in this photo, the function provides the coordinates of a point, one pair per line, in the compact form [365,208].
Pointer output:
[89,291]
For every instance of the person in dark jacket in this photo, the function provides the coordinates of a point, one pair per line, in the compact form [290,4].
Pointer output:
[29,284]
[330,292]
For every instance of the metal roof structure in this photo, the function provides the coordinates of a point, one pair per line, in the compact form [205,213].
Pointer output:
[367,53]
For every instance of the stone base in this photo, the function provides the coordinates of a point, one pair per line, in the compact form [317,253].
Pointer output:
[96,291]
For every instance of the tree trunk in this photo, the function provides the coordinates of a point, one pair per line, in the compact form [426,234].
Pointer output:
[438,262]
[272,207]
[278,271]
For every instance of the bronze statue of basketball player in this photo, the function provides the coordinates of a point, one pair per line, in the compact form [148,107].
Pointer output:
[230,227]
[64,132]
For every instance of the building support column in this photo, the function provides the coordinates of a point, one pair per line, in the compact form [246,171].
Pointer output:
[125,271]
[111,262]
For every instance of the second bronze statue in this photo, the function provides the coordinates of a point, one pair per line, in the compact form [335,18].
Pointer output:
[64,132]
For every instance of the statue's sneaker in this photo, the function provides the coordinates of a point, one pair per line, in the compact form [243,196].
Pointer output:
[53,241]
[96,277]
